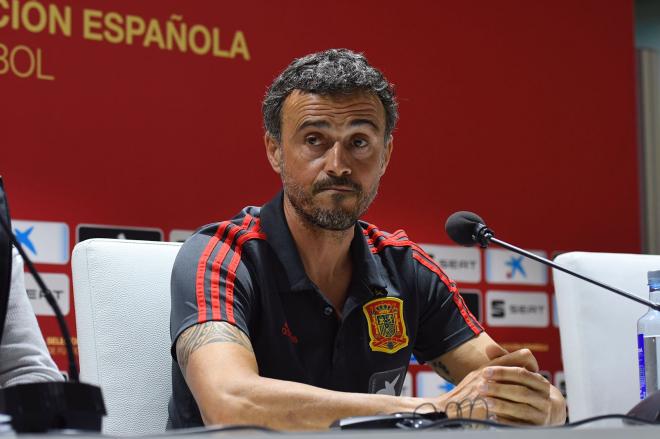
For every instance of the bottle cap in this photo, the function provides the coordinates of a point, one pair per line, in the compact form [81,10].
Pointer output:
[654,277]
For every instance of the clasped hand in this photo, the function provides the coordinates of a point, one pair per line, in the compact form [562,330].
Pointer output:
[508,390]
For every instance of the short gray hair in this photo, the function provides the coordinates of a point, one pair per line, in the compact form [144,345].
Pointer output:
[331,72]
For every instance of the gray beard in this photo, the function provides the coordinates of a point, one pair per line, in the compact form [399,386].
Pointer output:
[334,219]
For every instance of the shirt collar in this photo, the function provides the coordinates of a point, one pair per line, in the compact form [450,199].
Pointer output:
[273,223]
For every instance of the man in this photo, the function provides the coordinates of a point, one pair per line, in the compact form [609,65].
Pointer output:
[296,314]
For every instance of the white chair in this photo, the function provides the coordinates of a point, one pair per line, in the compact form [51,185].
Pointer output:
[122,302]
[598,330]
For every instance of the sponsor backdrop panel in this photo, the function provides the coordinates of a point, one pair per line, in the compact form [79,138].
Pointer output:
[463,263]
[142,119]
[45,242]
[506,267]
[520,309]
[58,284]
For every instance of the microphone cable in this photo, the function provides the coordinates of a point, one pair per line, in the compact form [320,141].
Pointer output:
[73,370]
[460,422]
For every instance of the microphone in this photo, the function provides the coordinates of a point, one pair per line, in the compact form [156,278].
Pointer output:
[467,229]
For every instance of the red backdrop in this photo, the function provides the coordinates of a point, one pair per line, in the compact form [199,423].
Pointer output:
[521,111]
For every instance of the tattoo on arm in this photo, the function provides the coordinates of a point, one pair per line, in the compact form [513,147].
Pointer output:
[207,333]
[442,370]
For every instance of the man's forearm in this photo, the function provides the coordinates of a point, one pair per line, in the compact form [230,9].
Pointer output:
[222,373]
[285,405]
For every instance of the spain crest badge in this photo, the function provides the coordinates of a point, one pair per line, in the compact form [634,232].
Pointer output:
[387,329]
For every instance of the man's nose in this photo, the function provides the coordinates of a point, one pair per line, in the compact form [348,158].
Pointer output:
[337,161]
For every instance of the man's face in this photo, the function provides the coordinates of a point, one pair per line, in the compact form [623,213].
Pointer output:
[332,155]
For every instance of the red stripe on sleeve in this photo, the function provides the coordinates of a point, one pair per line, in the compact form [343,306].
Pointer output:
[388,243]
[201,270]
[369,229]
[458,300]
[374,234]
[217,264]
[253,233]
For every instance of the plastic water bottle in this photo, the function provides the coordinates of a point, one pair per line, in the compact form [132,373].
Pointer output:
[648,342]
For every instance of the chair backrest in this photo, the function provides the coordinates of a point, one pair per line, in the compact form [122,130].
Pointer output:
[598,330]
[122,299]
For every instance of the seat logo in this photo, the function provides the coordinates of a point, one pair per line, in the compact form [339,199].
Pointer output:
[387,329]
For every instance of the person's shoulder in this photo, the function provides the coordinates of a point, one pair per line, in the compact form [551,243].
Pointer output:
[244,226]
[382,242]
[401,250]
[232,234]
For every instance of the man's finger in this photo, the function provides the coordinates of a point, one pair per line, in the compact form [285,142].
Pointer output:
[518,375]
[504,412]
[517,393]
[516,411]
[519,358]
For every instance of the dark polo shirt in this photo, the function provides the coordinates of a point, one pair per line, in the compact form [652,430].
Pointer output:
[247,271]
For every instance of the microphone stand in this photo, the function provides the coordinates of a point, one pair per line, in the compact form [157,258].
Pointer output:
[649,408]
[484,236]
[542,260]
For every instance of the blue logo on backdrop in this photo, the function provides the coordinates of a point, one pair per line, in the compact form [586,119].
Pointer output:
[516,266]
[446,387]
[24,238]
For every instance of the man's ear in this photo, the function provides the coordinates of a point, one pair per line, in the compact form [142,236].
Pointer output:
[273,152]
[387,154]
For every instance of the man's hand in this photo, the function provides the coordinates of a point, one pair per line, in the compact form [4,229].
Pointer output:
[507,389]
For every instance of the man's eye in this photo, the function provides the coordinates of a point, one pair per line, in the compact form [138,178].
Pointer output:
[359,143]
[312,140]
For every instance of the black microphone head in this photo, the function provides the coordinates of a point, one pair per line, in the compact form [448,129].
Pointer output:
[462,227]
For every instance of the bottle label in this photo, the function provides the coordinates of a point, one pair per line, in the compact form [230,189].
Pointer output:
[648,348]
[642,366]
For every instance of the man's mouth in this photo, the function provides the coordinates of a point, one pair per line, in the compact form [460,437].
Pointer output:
[339,189]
